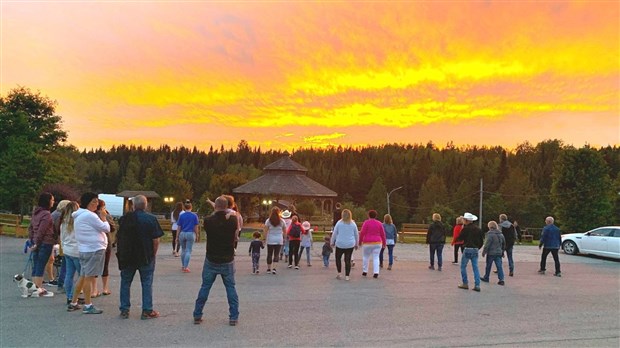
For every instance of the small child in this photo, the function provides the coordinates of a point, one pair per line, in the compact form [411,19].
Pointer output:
[255,246]
[327,249]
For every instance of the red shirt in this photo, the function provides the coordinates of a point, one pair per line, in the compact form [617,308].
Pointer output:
[455,233]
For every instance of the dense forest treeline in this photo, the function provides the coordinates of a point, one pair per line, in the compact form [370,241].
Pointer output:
[580,186]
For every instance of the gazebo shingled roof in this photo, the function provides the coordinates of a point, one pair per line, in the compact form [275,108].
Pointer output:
[130,194]
[285,178]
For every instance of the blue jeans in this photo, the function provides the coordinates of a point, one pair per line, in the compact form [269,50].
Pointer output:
[146,279]
[470,254]
[63,272]
[186,239]
[301,252]
[497,259]
[390,255]
[326,260]
[40,257]
[73,267]
[436,248]
[511,263]
[210,271]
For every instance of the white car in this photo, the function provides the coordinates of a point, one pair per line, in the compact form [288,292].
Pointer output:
[602,241]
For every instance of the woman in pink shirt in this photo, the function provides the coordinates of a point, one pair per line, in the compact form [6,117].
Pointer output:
[372,240]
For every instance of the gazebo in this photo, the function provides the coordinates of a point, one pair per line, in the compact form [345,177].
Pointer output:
[150,195]
[286,179]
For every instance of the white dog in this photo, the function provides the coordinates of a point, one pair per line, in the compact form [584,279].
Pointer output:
[30,289]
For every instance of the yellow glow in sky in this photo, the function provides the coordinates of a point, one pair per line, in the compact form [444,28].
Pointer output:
[295,74]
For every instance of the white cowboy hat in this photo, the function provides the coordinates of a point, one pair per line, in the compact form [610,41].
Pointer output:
[470,217]
[286,214]
[306,225]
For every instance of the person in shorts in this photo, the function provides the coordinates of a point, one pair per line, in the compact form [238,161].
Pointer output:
[90,233]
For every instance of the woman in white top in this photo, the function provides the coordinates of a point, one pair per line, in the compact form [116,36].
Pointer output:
[274,230]
[174,217]
[345,238]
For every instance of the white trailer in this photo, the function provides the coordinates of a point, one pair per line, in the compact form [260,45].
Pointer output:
[113,204]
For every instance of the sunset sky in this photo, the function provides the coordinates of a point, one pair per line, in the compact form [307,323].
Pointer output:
[285,74]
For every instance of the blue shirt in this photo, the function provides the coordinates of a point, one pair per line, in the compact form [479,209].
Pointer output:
[551,237]
[187,221]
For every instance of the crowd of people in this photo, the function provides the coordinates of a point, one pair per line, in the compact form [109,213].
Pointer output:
[86,232]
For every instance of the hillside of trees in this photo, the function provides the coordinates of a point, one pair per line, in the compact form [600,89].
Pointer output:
[580,186]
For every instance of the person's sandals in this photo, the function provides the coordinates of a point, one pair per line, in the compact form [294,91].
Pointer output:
[106,293]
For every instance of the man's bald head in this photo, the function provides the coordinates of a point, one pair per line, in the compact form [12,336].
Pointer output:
[221,203]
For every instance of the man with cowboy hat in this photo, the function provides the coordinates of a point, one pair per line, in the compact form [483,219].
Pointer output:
[471,236]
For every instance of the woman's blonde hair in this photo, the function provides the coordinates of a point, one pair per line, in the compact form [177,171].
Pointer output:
[66,215]
[387,218]
[347,216]
[436,217]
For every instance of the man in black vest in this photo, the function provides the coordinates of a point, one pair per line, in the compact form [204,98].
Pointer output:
[137,244]
[221,237]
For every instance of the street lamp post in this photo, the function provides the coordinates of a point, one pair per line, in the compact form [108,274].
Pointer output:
[169,201]
[388,197]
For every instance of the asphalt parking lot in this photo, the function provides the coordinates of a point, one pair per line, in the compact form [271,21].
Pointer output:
[409,306]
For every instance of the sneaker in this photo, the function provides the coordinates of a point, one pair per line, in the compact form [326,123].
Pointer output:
[486,280]
[273,271]
[439,269]
[541,271]
[347,278]
[149,315]
[501,282]
[309,265]
[364,274]
[72,308]
[290,266]
[558,274]
[455,262]
[338,276]
[476,288]
[511,274]
[257,272]
[186,270]
[233,322]
[124,314]
[91,310]
[389,268]
[463,286]
[376,275]
[268,271]
[297,267]
[431,267]
[197,321]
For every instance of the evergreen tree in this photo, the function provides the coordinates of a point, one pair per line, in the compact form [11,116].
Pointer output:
[582,190]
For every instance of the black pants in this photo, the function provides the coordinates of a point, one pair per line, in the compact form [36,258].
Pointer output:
[293,251]
[273,252]
[175,246]
[556,259]
[347,260]
[456,252]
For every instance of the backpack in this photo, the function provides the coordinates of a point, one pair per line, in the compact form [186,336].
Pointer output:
[295,231]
